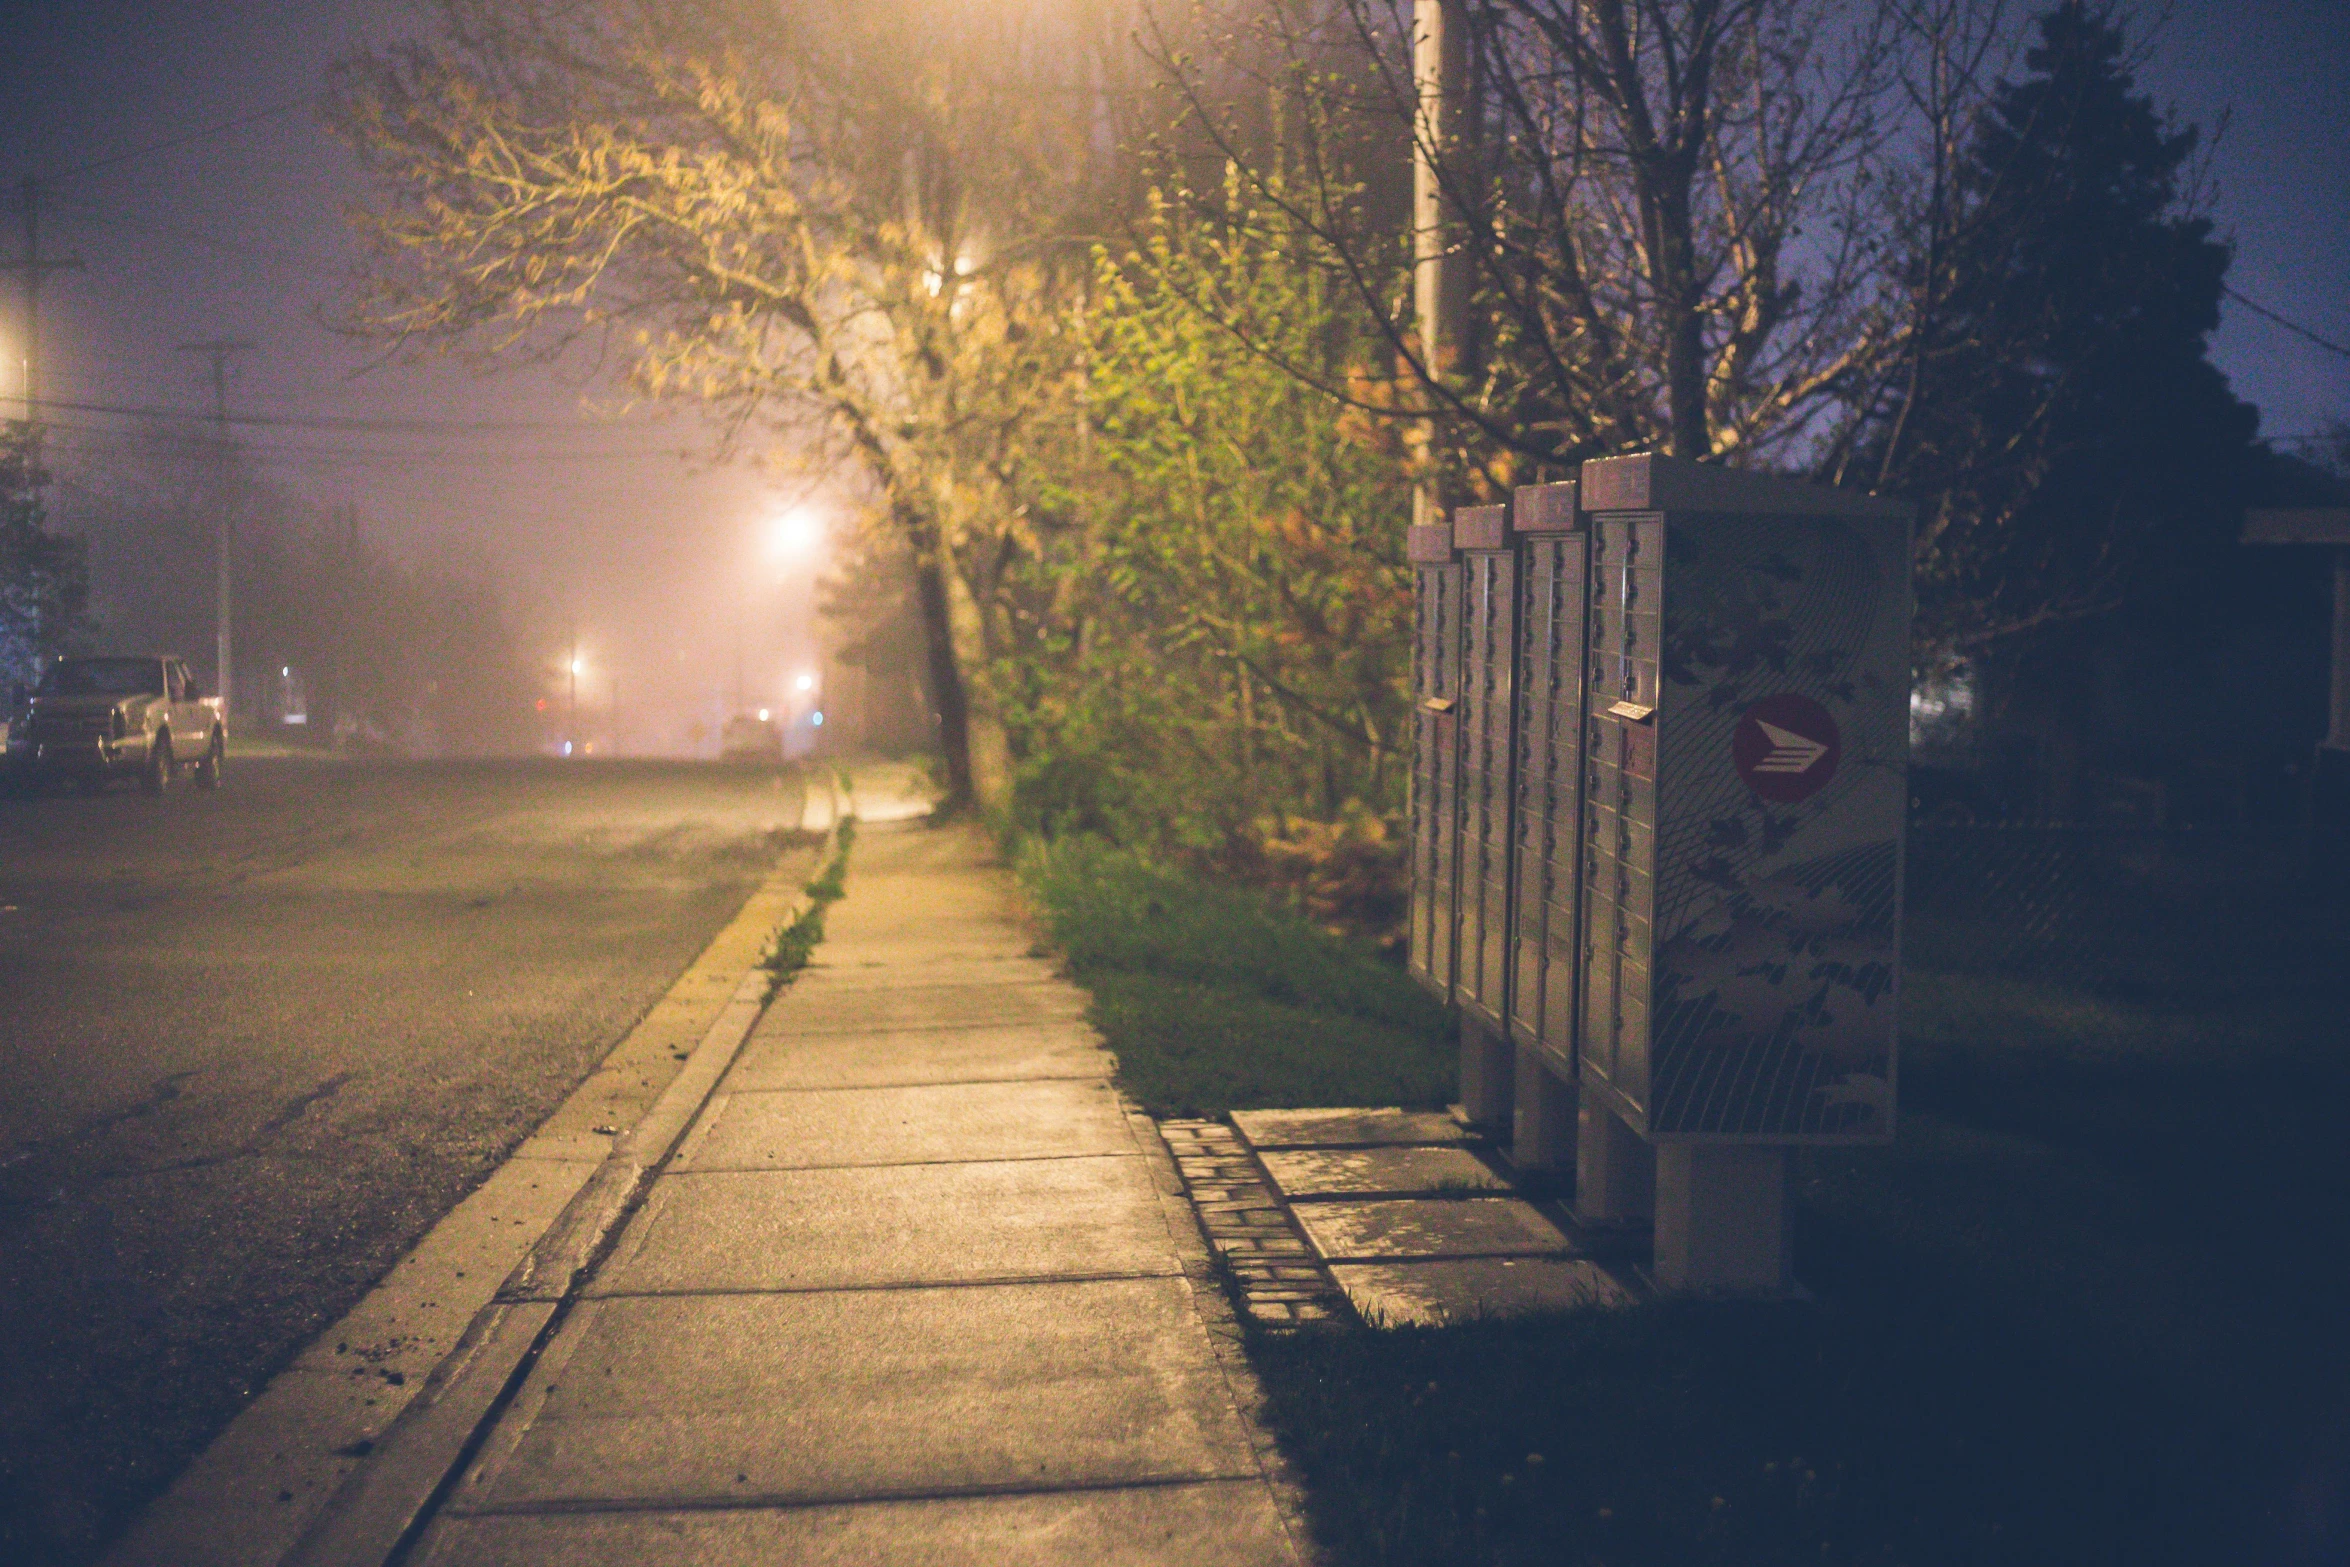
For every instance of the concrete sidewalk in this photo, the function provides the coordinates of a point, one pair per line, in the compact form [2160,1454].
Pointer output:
[916,1288]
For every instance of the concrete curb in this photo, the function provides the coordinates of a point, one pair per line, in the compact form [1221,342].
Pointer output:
[371,1517]
[336,1458]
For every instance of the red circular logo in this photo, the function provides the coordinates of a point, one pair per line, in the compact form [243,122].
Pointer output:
[1786,748]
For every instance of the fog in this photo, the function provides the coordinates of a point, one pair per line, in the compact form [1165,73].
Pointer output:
[185,167]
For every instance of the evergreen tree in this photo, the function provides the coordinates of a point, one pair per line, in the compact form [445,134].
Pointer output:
[2069,440]
[44,580]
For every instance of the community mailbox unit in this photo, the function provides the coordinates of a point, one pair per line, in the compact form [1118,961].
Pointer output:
[1745,794]
[1435,813]
[1547,869]
[1488,757]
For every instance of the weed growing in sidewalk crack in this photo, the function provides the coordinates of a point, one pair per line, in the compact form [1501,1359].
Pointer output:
[797,941]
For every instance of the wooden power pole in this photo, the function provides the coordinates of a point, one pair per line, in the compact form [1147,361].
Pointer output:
[1440,275]
[218,352]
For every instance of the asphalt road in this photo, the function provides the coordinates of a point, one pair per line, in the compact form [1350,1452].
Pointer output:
[252,1044]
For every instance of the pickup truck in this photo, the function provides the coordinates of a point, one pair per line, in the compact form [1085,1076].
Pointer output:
[96,718]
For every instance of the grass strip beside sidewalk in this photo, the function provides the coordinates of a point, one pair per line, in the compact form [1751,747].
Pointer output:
[1214,1000]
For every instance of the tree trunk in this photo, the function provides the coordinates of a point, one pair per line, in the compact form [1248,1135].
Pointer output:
[943,673]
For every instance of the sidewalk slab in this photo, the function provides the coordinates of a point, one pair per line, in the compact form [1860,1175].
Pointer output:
[890,1226]
[683,1400]
[1439,1292]
[915,1056]
[1219,1523]
[1349,1128]
[872,968]
[1429,1227]
[1305,1173]
[877,1009]
[934,1124]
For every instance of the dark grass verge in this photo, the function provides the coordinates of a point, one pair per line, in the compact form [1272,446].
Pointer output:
[796,942]
[2088,1308]
[1214,1000]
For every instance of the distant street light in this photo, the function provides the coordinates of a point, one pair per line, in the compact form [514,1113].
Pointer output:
[805,683]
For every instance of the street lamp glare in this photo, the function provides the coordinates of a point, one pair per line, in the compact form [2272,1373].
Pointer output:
[794,533]
[579,666]
[805,683]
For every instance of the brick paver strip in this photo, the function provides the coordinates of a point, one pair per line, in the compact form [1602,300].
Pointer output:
[1278,1284]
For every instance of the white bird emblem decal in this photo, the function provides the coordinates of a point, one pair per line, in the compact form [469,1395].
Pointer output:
[1790,752]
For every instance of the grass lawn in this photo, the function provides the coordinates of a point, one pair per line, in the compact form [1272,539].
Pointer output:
[2090,1308]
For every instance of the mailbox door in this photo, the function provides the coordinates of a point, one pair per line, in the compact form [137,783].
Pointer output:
[1778,842]
[1620,809]
[1488,754]
[1547,950]
[1435,808]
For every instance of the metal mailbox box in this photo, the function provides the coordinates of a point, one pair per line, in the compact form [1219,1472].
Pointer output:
[1435,784]
[1745,794]
[1553,643]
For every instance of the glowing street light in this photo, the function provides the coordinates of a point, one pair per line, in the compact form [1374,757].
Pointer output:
[805,683]
[794,533]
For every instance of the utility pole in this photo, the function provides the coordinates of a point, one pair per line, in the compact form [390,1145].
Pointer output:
[1440,276]
[218,352]
[571,706]
[34,266]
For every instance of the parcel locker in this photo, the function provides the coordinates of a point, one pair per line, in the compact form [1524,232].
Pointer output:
[1435,779]
[1745,796]
[1745,802]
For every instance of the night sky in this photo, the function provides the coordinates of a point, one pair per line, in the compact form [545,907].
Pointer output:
[238,234]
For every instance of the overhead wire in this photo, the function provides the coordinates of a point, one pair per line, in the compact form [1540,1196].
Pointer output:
[381,425]
[250,117]
[2292,326]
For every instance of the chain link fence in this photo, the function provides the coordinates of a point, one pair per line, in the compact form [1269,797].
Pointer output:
[2144,909]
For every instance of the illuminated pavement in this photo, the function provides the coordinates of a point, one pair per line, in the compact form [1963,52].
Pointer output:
[915,1288]
[253,1044]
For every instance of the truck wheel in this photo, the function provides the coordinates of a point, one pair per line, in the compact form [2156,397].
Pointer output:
[160,765]
[215,756]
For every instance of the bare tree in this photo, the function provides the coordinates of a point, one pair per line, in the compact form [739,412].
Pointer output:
[838,219]
[1688,223]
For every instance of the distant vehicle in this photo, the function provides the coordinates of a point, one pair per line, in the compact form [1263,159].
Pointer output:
[94,719]
[751,737]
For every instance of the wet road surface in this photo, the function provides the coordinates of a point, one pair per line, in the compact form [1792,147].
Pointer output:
[253,1043]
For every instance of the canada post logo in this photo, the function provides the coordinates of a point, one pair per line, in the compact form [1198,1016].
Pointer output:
[1786,748]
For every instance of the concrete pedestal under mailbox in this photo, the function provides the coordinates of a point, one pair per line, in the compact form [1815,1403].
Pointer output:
[1542,1116]
[1488,1078]
[1721,1218]
[1615,1171]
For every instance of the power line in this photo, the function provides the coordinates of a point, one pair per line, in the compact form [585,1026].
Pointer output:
[332,421]
[250,117]
[93,438]
[2294,327]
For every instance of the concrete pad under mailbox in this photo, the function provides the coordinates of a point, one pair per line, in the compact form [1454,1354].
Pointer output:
[1428,1227]
[892,1225]
[1434,1293]
[920,1055]
[956,1122]
[881,1010]
[1214,1524]
[683,1400]
[1348,1128]
[1377,1172]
